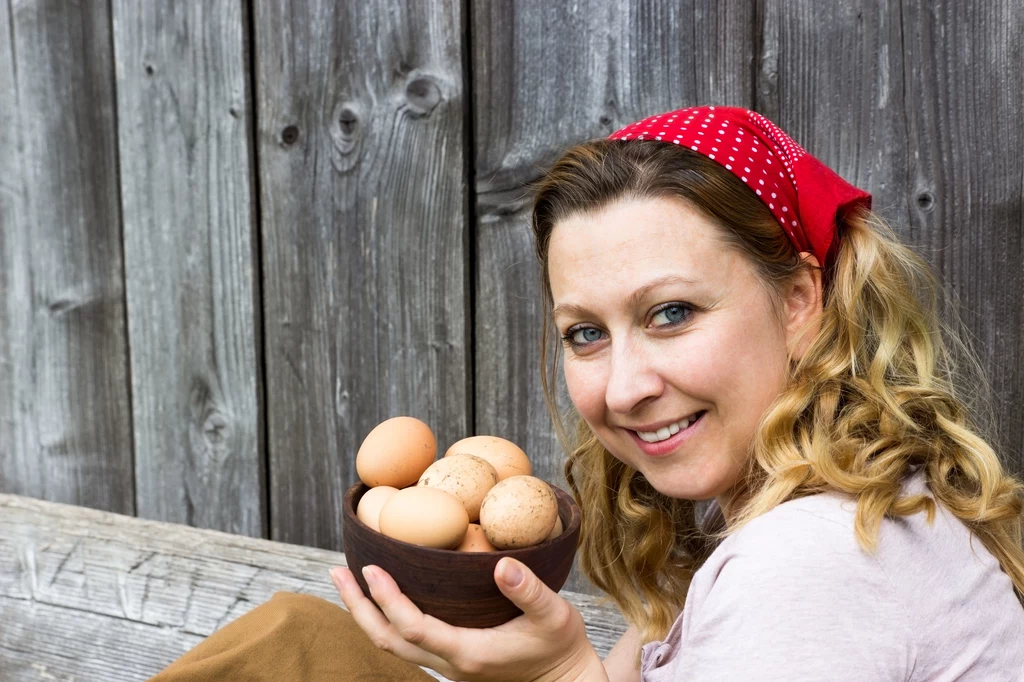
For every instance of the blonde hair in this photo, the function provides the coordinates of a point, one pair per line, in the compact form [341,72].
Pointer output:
[879,390]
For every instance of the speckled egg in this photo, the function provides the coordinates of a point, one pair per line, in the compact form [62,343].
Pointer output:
[467,477]
[519,511]
[507,458]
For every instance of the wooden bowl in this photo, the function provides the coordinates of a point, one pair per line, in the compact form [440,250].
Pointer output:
[457,587]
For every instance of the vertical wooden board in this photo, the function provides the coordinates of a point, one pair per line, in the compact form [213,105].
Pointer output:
[899,121]
[65,426]
[965,99]
[831,75]
[15,308]
[545,76]
[363,196]
[192,264]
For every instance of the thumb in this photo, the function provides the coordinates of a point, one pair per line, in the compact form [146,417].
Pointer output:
[524,589]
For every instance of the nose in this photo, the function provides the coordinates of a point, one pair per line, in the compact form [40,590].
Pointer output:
[632,377]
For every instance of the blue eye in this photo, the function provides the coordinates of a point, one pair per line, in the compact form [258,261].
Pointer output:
[674,313]
[590,335]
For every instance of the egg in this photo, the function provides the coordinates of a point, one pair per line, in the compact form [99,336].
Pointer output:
[467,477]
[396,453]
[424,516]
[368,509]
[556,530]
[518,512]
[475,540]
[506,457]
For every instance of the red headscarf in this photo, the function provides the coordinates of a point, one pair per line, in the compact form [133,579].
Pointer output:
[804,195]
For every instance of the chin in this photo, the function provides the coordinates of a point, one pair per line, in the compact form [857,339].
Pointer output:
[680,486]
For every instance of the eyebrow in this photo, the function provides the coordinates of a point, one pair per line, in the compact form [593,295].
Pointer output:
[633,300]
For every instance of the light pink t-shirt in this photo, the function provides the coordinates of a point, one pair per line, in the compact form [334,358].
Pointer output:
[792,597]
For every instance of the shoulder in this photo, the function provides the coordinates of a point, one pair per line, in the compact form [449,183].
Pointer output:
[811,532]
[793,589]
[804,547]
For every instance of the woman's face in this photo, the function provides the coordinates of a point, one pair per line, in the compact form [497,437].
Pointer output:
[668,324]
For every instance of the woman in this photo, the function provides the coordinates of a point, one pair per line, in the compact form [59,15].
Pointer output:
[738,326]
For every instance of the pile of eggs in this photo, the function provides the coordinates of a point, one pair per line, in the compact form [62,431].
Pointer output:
[479,497]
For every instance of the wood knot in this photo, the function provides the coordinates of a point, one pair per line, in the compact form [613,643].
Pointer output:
[423,94]
[290,135]
[347,122]
[926,201]
[216,429]
[64,303]
[346,133]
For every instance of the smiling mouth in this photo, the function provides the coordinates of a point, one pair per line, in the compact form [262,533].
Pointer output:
[666,432]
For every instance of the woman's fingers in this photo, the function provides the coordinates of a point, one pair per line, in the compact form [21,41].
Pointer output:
[433,636]
[378,628]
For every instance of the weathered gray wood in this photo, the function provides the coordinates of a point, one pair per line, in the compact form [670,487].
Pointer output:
[882,93]
[547,75]
[99,596]
[964,101]
[65,429]
[363,195]
[831,75]
[192,264]
[45,642]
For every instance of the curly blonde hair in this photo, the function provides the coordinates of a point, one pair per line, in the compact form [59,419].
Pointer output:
[880,389]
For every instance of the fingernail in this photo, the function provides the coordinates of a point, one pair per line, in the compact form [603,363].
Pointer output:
[369,576]
[336,576]
[512,574]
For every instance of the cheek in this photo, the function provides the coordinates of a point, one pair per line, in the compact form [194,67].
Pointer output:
[750,366]
[586,387]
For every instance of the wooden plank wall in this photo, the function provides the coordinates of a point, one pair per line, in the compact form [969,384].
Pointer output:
[190,262]
[65,422]
[365,240]
[293,220]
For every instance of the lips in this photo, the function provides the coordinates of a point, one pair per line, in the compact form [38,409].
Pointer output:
[671,443]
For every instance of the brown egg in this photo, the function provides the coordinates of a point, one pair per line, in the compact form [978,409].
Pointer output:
[518,512]
[424,516]
[467,477]
[368,510]
[556,530]
[396,453]
[506,457]
[475,540]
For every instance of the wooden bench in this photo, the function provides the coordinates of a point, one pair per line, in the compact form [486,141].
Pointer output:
[90,595]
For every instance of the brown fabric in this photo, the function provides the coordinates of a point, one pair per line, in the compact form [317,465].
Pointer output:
[291,637]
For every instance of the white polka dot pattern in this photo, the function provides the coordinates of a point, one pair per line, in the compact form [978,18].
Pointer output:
[746,144]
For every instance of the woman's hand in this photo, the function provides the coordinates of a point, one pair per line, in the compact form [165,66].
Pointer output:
[547,643]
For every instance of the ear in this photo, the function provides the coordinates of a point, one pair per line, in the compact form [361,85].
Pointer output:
[803,307]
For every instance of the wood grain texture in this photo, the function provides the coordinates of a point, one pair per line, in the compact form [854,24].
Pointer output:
[897,119]
[545,76]
[98,596]
[65,425]
[964,102]
[192,264]
[363,192]
[830,75]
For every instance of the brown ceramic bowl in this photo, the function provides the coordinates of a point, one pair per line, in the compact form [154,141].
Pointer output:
[457,587]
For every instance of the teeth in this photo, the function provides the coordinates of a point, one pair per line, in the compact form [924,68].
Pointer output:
[666,431]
